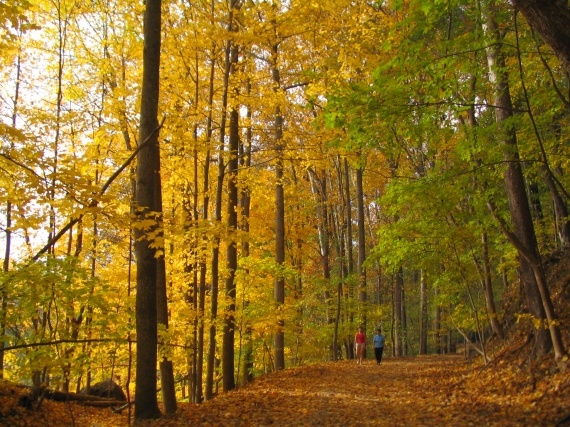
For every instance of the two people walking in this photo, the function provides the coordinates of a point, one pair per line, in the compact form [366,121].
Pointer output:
[360,345]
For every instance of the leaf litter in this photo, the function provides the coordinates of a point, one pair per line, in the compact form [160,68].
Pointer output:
[411,391]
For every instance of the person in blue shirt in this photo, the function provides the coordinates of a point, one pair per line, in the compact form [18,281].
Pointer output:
[379,340]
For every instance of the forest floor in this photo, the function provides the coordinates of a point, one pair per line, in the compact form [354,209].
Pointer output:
[511,390]
[408,391]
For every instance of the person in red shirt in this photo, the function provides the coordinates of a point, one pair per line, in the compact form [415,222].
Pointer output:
[360,344]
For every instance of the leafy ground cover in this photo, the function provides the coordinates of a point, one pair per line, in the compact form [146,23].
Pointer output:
[418,391]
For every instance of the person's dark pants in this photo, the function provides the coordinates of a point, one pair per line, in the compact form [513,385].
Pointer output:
[378,353]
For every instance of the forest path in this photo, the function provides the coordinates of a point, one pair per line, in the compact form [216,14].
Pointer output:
[409,391]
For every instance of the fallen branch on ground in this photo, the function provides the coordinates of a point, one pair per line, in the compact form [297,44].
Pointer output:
[33,399]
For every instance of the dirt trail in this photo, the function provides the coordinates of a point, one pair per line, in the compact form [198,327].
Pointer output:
[411,391]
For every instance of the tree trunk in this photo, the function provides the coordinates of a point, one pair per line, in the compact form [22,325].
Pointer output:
[514,181]
[349,255]
[404,320]
[228,367]
[392,317]
[319,189]
[361,270]
[279,288]
[338,228]
[245,202]
[8,231]
[4,295]
[437,323]
[550,19]
[146,405]
[279,339]
[199,397]
[398,313]
[423,313]
[488,287]
[218,217]
[211,364]
[561,217]
[166,368]
[232,258]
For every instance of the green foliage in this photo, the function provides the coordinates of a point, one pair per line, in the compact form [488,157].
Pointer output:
[47,303]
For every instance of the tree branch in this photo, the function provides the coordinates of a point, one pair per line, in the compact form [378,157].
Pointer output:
[512,237]
[46,343]
[95,201]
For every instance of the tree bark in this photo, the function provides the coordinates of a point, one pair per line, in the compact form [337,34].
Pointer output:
[361,270]
[514,180]
[218,217]
[245,204]
[423,313]
[562,222]
[146,405]
[349,255]
[228,366]
[8,231]
[319,189]
[398,314]
[232,257]
[437,323]
[199,397]
[488,287]
[279,287]
[166,367]
[550,19]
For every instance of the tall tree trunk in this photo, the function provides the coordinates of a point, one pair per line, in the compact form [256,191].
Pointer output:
[550,19]
[338,228]
[211,363]
[361,270]
[232,258]
[228,64]
[561,220]
[336,350]
[514,181]
[398,313]
[279,339]
[202,263]
[166,368]
[192,268]
[437,323]
[279,287]
[4,294]
[8,231]
[561,214]
[228,366]
[404,321]
[319,189]
[245,158]
[146,405]
[423,313]
[349,256]
[488,287]
[486,272]
[216,248]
